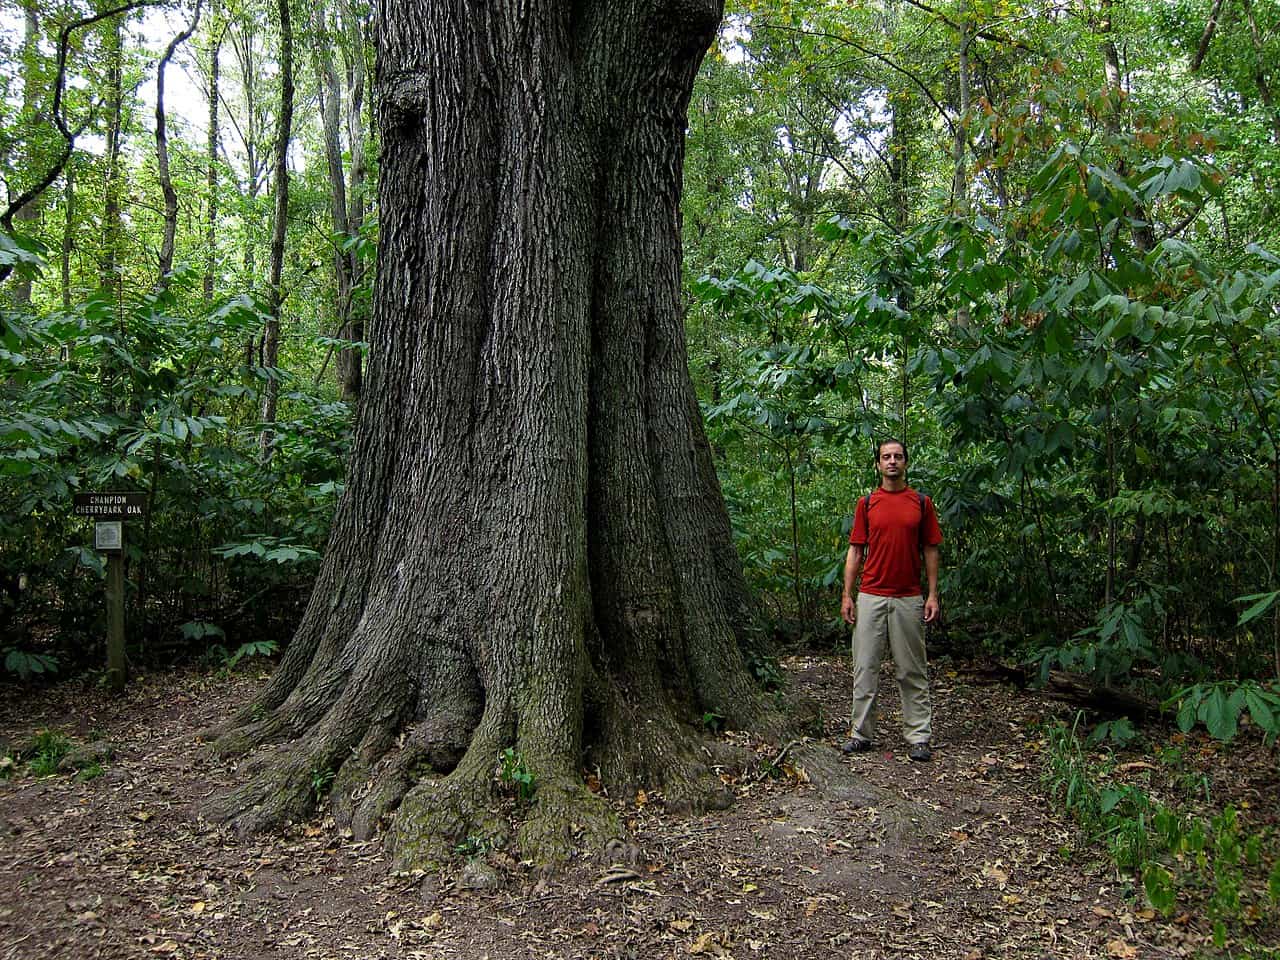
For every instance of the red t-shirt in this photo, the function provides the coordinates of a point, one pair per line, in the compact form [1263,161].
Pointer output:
[892,564]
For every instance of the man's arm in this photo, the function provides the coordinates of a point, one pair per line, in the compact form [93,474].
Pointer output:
[852,567]
[932,605]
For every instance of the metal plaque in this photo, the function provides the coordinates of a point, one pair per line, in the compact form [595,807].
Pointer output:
[108,536]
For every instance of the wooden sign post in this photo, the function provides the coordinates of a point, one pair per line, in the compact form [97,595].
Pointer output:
[110,511]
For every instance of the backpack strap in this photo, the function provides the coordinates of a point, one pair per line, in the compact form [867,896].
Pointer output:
[920,528]
[866,513]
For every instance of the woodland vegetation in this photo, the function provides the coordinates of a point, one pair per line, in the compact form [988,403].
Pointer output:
[1037,241]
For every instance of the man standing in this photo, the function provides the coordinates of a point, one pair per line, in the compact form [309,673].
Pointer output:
[891,529]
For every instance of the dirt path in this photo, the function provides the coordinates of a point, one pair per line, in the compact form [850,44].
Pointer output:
[122,865]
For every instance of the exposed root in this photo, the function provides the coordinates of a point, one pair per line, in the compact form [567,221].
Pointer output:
[437,815]
[353,781]
[285,791]
[692,787]
[565,821]
[834,778]
[381,801]
[236,741]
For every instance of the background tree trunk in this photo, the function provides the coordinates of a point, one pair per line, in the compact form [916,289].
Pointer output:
[279,224]
[162,155]
[29,213]
[532,550]
[212,146]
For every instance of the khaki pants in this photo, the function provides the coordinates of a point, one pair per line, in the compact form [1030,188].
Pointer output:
[901,619]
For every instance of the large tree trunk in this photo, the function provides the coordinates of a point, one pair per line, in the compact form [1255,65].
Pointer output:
[532,550]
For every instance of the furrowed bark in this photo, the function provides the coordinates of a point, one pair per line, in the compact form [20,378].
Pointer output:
[532,548]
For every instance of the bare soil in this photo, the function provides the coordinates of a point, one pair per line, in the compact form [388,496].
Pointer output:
[122,865]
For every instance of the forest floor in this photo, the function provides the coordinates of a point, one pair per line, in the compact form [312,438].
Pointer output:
[122,865]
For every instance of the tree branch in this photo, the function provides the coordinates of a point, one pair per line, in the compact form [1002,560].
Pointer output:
[64,41]
[1207,37]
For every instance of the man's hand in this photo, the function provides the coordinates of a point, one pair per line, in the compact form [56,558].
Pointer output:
[849,610]
[931,609]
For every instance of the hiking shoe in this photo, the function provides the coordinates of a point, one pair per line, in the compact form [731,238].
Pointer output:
[856,745]
[920,752]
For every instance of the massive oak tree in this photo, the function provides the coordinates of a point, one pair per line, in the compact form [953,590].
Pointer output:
[532,549]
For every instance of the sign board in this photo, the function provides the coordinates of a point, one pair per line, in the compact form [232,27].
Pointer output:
[108,536]
[110,506]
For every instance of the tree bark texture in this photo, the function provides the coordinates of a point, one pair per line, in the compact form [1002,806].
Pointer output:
[532,550]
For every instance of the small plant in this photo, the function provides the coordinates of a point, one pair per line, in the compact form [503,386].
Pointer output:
[92,772]
[766,671]
[516,775]
[321,781]
[474,847]
[713,721]
[47,752]
[254,648]
[27,665]
[1220,705]
[1119,732]
[217,655]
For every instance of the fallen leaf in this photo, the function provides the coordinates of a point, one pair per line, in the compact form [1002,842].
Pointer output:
[992,871]
[749,888]
[1118,948]
[681,926]
[433,922]
[198,907]
[707,943]
[1136,765]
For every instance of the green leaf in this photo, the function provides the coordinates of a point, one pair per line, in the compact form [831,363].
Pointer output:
[1157,883]
[1263,604]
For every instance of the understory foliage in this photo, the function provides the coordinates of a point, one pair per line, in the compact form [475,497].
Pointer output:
[153,394]
[1193,854]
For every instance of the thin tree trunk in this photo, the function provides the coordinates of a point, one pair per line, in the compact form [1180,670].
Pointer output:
[960,176]
[162,155]
[110,256]
[1211,25]
[1260,69]
[212,148]
[68,231]
[344,253]
[279,225]
[27,215]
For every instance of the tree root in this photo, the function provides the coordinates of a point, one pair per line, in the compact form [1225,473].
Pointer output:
[437,815]
[565,821]
[285,791]
[832,777]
